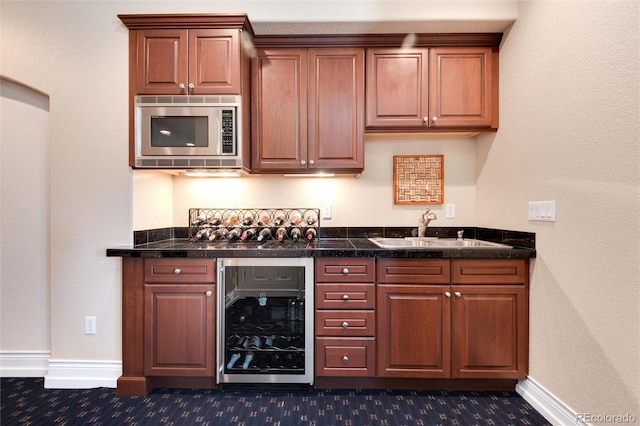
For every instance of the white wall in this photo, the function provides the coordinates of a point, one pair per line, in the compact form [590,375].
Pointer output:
[569,132]
[24,227]
[366,200]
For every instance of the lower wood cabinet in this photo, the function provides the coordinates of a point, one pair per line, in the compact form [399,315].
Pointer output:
[451,330]
[179,317]
[179,336]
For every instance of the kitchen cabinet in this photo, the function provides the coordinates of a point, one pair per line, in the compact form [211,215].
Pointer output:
[460,318]
[432,89]
[179,317]
[345,317]
[188,62]
[308,110]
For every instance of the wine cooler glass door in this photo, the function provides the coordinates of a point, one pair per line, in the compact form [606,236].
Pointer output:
[265,320]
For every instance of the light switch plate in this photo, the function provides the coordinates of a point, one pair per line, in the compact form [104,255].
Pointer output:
[544,211]
[326,211]
[450,211]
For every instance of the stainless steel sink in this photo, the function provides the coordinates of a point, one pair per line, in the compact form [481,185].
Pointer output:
[426,242]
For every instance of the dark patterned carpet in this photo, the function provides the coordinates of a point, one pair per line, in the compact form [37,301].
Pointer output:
[26,402]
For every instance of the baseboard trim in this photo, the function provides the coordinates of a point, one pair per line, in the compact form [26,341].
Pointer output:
[547,404]
[24,364]
[73,374]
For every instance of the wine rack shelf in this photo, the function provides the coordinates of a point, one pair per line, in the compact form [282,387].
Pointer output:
[210,224]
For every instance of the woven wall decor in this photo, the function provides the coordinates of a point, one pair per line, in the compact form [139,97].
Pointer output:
[418,179]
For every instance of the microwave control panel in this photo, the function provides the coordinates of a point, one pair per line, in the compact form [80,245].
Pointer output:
[228,143]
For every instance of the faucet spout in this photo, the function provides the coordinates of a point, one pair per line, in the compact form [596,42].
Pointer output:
[425,218]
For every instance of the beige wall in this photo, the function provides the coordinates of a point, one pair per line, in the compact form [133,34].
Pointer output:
[569,132]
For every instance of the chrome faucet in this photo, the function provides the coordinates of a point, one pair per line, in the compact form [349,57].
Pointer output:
[426,217]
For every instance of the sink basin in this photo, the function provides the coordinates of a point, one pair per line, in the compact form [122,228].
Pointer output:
[426,242]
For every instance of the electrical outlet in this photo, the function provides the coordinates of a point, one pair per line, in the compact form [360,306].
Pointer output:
[89,325]
[326,211]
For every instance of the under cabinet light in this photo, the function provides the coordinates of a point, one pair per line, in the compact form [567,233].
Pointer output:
[307,175]
[213,173]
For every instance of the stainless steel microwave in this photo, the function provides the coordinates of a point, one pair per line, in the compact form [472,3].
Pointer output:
[187,132]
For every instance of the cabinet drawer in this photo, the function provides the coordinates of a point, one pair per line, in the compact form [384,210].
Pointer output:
[346,356]
[414,271]
[341,296]
[345,323]
[345,270]
[483,271]
[169,270]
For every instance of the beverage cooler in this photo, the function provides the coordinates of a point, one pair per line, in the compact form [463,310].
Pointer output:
[265,320]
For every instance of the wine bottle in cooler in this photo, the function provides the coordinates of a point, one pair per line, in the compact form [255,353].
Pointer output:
[295,233]
[234,358]
[247,360]
[264,234]
[281,233]
[310,234]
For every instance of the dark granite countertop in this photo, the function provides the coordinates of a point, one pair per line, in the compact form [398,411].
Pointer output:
[324,247]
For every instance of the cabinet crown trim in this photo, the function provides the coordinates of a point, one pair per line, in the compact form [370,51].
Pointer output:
[188,21]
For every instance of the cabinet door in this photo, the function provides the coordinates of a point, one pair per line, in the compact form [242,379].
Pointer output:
[460,87]
[490,331]
[161,62]
[179,323]
[214,61]
[413,331]
[397,92]
[336,109]
[279,110]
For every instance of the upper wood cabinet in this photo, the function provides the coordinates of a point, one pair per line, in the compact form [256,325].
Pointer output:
[308,110]
[193,62]
[436,88]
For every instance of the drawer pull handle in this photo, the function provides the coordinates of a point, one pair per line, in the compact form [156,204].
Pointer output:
[345,297]
[457,293]
[345,271]
[177,271]
[345,359]
[345,325]
[208,293]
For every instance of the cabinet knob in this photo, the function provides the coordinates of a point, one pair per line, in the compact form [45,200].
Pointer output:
[425,119]
[345,359]
[177,271]
[303,162]
[446,293]
[191,86]
[345,271]
[208,293]
[345,297]
[310,161]
[457,293]
[181,86]
[345,325]
[434,119]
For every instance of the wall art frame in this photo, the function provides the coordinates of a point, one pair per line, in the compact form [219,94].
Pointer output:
[418,179]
